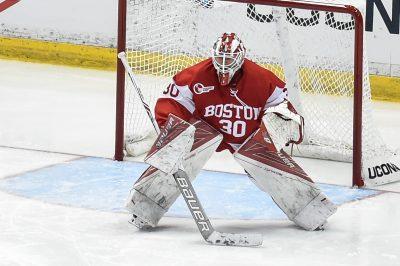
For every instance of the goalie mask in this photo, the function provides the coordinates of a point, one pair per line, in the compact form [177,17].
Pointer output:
[228,56]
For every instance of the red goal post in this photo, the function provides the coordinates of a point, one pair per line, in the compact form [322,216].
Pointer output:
[120,90]
[306,5]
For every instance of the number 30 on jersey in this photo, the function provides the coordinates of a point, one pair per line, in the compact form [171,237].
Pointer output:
[235,128]
[172,91]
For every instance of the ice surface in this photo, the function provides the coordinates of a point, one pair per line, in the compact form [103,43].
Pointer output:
[71,111]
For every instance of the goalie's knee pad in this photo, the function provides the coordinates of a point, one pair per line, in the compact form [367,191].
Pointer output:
[289,186]
[155,191]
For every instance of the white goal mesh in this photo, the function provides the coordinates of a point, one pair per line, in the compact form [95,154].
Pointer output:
[313,51]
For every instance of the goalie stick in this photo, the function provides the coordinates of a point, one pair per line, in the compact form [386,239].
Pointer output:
[192,201]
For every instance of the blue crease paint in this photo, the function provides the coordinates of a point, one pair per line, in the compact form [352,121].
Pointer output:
[104,184]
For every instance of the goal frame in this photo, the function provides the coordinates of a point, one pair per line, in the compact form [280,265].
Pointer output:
[318,6]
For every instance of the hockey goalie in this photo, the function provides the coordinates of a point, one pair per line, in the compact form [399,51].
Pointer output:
[228,102]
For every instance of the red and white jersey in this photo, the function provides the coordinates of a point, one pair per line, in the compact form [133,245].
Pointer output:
[236,110]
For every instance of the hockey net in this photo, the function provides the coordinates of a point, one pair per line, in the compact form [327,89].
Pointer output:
[310,46]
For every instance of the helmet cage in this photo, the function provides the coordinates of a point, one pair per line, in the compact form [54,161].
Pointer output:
[227,63]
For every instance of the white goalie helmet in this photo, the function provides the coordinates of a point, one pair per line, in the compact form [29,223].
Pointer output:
[228,55]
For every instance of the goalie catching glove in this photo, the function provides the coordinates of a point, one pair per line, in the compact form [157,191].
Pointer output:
[285,125]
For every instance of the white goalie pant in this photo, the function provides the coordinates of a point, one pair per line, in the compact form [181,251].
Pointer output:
[289,186]
[155,191]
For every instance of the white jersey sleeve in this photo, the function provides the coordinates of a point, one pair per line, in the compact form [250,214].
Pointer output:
[277,97]
[180,94]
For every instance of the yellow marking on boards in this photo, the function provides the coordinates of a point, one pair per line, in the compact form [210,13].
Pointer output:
[383,88]
[58,53]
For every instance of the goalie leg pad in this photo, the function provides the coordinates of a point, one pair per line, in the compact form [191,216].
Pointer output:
[289,186]
[155,191]
[173,143]
[145,214]
[314,215]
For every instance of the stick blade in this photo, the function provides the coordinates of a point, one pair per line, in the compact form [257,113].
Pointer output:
[241,240]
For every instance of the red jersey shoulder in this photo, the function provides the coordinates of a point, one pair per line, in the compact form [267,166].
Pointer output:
[261,77]
[198,72]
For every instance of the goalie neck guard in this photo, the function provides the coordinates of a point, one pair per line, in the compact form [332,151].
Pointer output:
[228,56]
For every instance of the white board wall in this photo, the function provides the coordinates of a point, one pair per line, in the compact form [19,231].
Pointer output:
[94,22]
